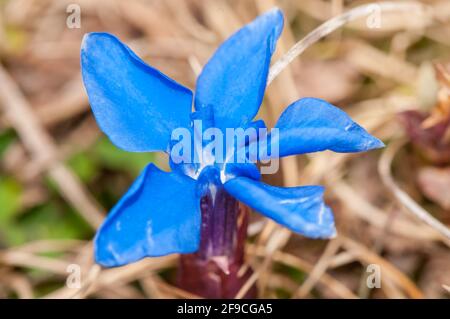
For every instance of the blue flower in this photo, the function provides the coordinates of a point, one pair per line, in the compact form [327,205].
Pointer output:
[138,108]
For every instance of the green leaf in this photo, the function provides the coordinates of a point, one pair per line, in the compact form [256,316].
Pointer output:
[10,193]
[84,166]
[113,158]
[53,220]
[12,235]
[16,38]
[295,274]
[6,138]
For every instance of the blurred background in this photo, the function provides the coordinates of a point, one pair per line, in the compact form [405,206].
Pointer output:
[59,175]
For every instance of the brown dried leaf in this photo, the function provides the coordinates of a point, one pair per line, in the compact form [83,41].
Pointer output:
[435,184]
[431,141]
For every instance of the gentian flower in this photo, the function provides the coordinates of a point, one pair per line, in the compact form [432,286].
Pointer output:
[138,108]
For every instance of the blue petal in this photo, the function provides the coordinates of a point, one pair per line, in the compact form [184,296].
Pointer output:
[300,209]
[258,124]
[134,104]
[159,215]
[233,170]
[312,125]
[234,80]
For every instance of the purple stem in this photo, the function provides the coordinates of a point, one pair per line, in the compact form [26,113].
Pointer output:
[214,270]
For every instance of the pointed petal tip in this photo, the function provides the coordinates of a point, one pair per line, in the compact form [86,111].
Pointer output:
[102,262]
[233,81]
[102,256]
[85,44]
[329,233]
[278,17]
[326,229]
[84,41]
[333,234]
[101,259]
[90,36]
[373,143]
[324,233]
[276,11]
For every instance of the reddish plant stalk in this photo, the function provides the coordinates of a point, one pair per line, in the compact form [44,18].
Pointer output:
[217,269]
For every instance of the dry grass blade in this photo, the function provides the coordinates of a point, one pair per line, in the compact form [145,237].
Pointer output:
[92,276]
[43,246]
[389,270]
[319,269]
[19,284]
[41,146]
[384,168]
[119,276]
[447,288]
[335,23]
[27,260]
[336,287]
[276,241]
[361,208]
